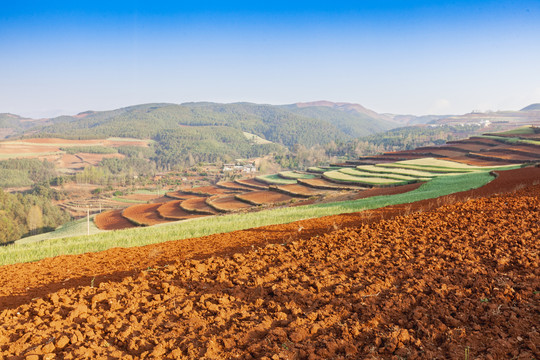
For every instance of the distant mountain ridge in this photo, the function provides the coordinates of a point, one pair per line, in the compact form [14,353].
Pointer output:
[289,125]
[531,107]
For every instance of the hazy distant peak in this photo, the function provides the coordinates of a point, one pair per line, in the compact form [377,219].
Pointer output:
[531,107]
[338,105]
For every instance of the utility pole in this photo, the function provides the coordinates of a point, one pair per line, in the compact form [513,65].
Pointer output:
[87,220]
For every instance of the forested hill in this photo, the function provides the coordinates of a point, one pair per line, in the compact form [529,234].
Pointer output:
[287,125]
[351,119]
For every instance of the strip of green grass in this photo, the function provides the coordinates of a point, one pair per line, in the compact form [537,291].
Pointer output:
[274,179]
[511,140]
[399,171]
[295,175]
[383,175]
[128,201]
[339,176]
[219,224]
[72,228]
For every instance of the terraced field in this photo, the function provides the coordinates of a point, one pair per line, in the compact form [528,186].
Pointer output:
[198,206]
[341,177]
[172,211]
[455,282]
[275,179]
[144,214]
[252,183]
[294,175]
[112,220]
[264,197]
[300,190]
[227,203]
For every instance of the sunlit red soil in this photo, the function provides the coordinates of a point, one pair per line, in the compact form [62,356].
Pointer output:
[460,280]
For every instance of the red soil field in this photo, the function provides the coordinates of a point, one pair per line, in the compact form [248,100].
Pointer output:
[446,152]
[112,220]
[479,140]
[462,279]
[319,183]
[252,183]
[300,190]
[505,155]
[264,197]
[468,147]
[172,211]
[233,186]
[209,190]
[144,214]
[198,206]
[227,203]
[180,195]
[43,277]
[533,151]
[465,159]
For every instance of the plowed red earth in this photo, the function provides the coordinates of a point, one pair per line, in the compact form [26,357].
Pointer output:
[171,210]
[228,203]
[252,183]
[264,197]
[48,275]
[144,214]
[233,186]
[112,220]
[210,190]
[181,195]
[476,161]
[197,205]
[301,190]
[462,279]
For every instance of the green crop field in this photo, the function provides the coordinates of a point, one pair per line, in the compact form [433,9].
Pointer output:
[274,179]
[399,171]
[512,140]
[339,176]
[218,224]
[295,175]
[384,175]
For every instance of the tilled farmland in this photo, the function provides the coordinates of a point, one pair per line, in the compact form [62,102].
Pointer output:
[461,281]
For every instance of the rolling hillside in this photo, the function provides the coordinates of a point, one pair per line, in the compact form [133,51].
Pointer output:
[287,125]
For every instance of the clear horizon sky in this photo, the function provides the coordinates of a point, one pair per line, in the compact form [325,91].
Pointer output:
[403,57]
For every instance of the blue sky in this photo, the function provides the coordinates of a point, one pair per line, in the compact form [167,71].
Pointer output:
[417,57]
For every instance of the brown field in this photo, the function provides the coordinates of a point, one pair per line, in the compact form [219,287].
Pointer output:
[49,149]
[300,190]
[197,205]
[172,211]
[180,195]
[144,214]
[436,279]
[251,183]
[466,159]
[112,220]
[468,147]
[264,197]
[227,203]
[209,190]
[504,156]
[233,186]
[533,151]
